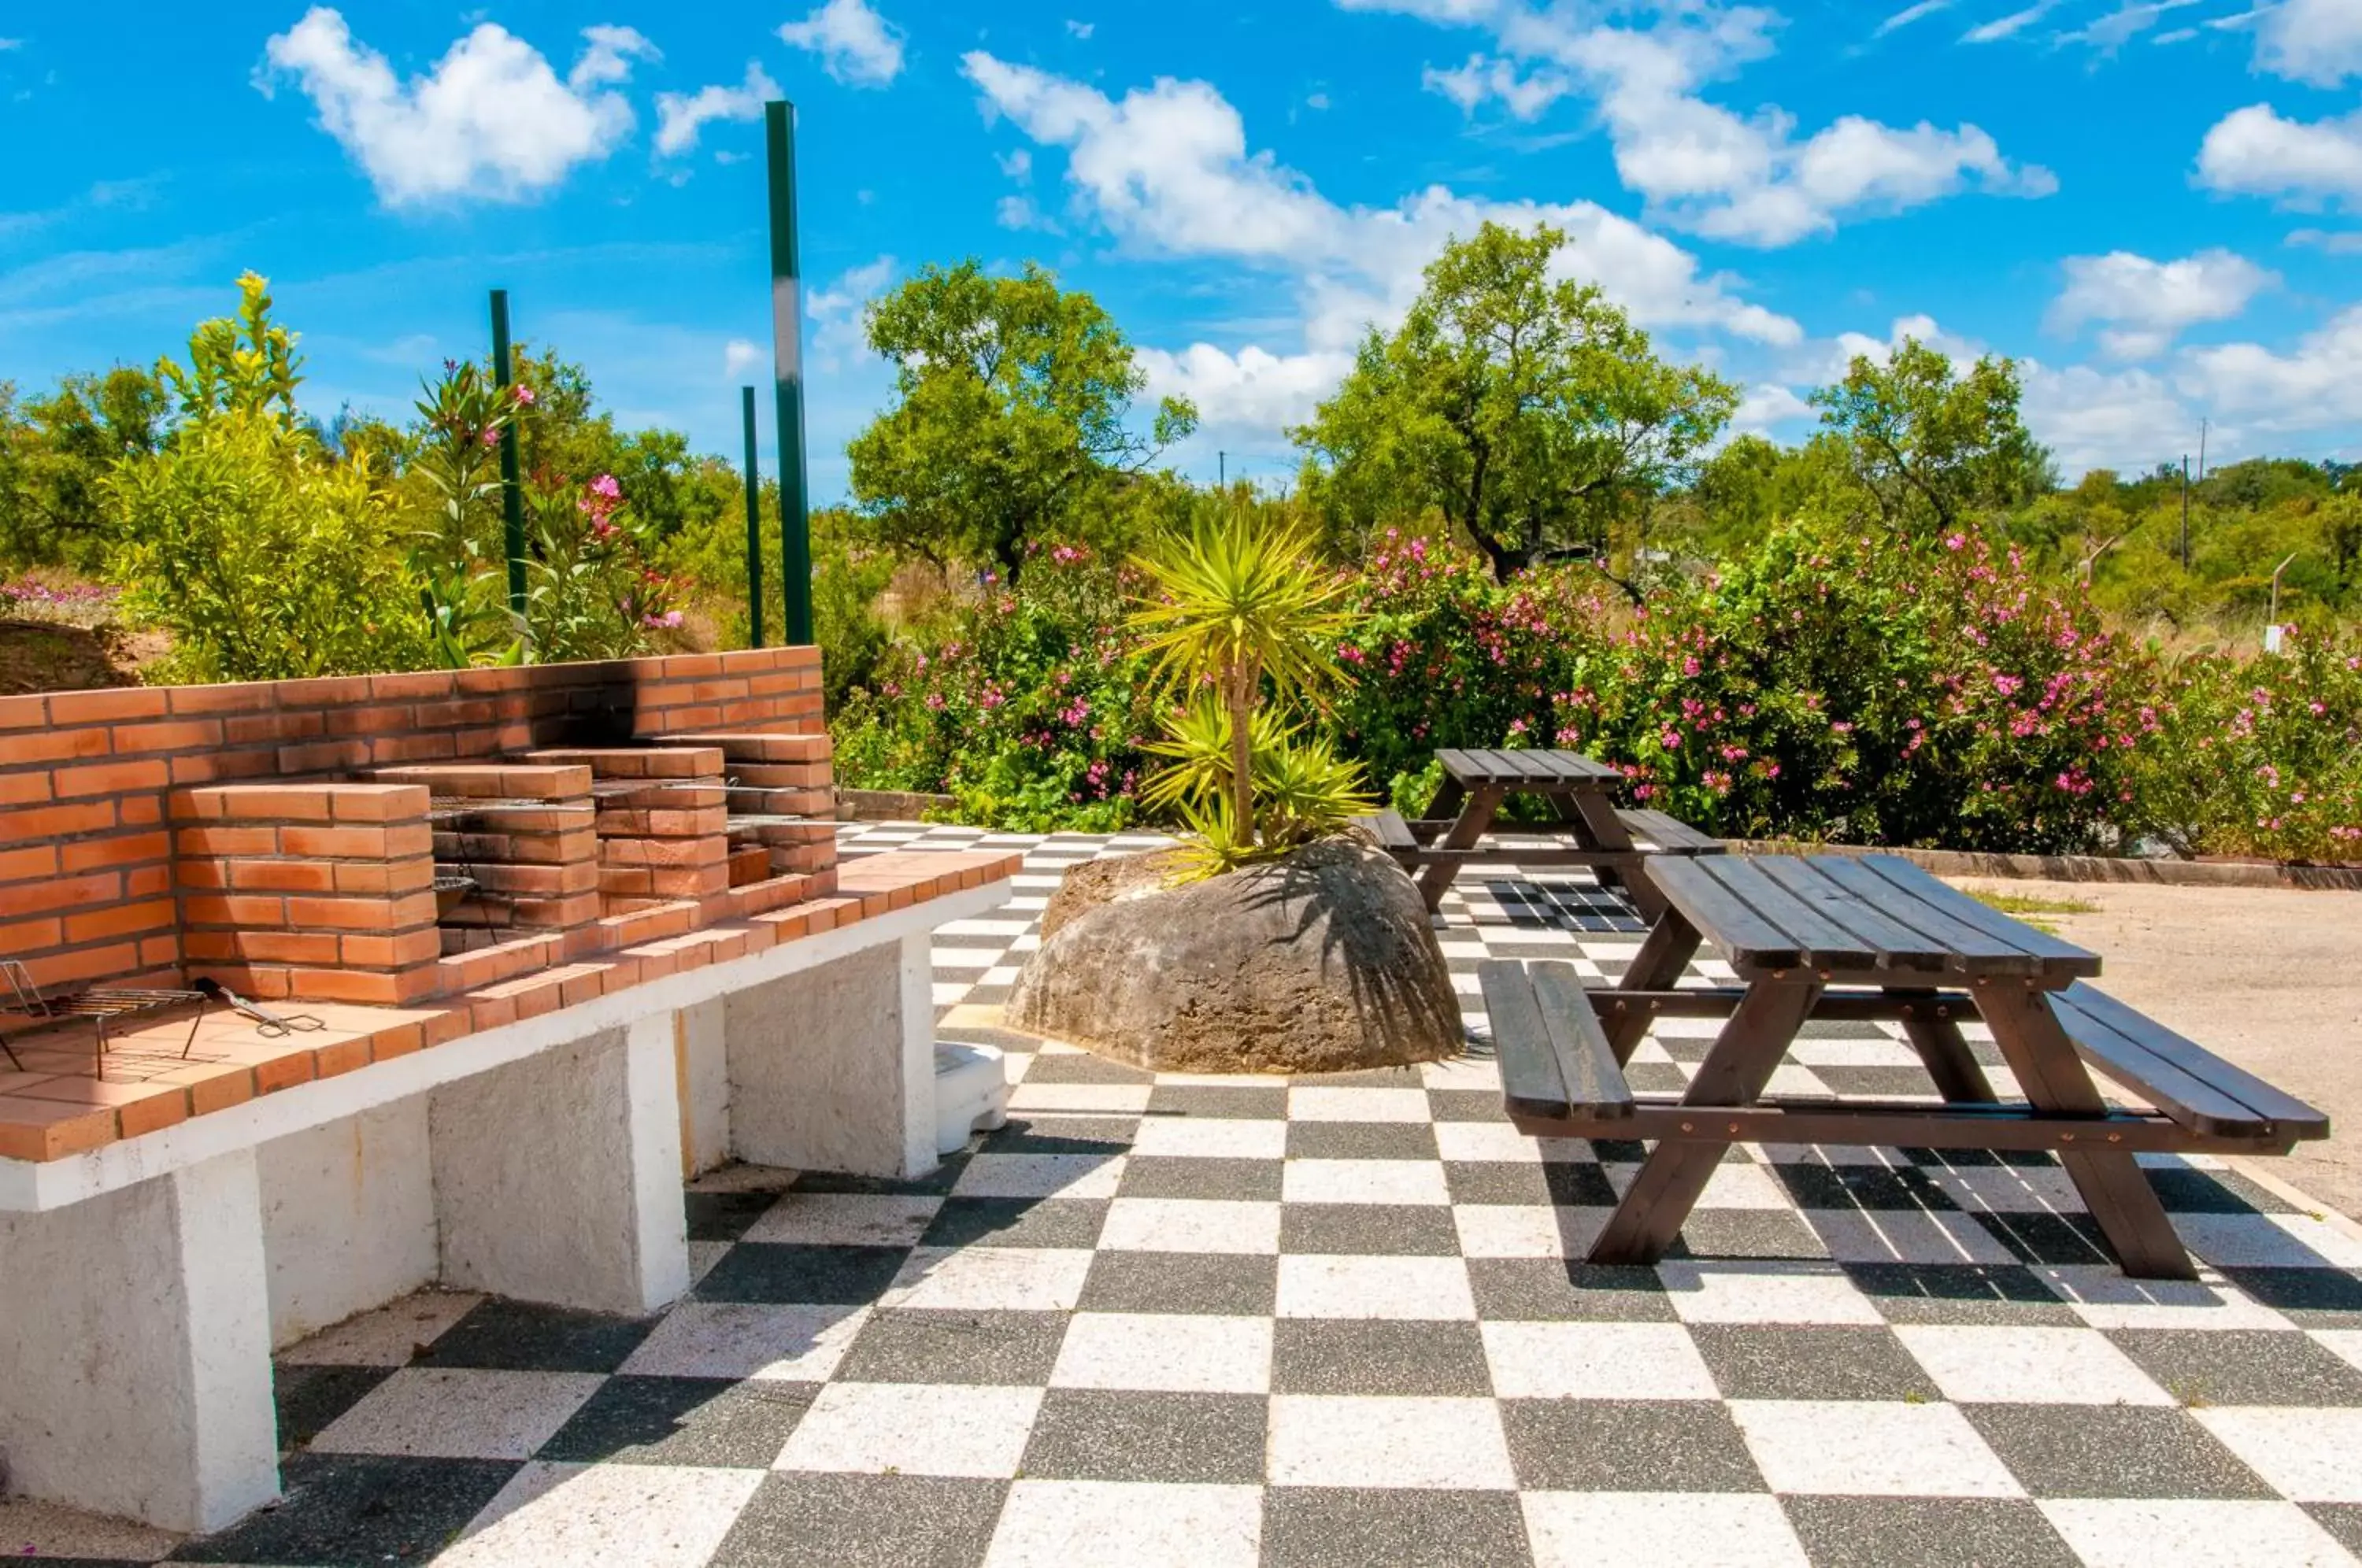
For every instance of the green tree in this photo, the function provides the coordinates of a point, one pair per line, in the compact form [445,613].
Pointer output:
[1011,416]
[55,454]
[1527,410]
[1932,448]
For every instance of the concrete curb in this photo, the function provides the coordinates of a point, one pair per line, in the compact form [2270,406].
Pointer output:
[888,805]
[2086,867]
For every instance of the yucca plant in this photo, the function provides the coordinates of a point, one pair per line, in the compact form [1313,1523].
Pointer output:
[1241,626]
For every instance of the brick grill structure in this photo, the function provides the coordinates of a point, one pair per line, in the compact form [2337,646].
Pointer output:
[100,790]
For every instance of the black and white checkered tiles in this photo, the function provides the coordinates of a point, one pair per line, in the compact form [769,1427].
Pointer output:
[1207,1321]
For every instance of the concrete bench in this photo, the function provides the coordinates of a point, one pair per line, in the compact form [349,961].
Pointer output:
[529,1141]
[550,984]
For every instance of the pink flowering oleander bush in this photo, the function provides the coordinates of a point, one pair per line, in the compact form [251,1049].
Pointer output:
[1031,707]
[1864,690]
[2260,755]
[1830,684]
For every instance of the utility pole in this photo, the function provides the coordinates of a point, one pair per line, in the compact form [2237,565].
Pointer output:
[2185,512]
[1222,470]
[787,354]
[511,496]
[753,525]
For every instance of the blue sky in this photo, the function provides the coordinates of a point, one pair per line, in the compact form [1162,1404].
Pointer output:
[2153,205]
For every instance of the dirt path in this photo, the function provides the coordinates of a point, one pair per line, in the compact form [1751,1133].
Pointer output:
[2268,977]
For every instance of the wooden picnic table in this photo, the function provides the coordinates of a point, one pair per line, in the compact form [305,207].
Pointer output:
[1582,791]
[1869,937]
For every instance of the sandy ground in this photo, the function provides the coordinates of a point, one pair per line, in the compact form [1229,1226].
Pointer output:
[2268,977]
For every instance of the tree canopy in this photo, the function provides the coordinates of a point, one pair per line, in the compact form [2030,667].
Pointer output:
[1011,414]
[1523,406]
[1933,447]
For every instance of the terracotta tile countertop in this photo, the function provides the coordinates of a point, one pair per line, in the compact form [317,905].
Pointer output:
[56,1108]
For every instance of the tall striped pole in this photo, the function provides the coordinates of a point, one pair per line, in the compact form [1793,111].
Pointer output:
[511,497]
[753,525]
[788,353]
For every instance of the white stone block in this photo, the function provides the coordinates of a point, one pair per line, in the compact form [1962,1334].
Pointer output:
[347,1216]
[134,1351]
[557,1178]
[705,1084]
[832,1068]
[971,1093]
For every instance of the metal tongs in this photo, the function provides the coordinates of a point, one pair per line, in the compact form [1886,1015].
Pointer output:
[268,1024]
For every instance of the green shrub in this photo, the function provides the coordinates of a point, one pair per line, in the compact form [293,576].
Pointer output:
[263,560]
[2259,757]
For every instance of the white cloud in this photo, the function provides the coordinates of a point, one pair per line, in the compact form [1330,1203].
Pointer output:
[839,336]
[2329,242]
[739,357]
[491,120]
[2315,41]
[1486,77]
[857,46]
[681,117]
[2118,28]
[1766,405]
[1701,166]
[1167,170]
[1018,165]
[2143,306]
[2126,420]
[1252,392]
[7,44]
[1081,30]
[2253,151]
[1910,14]
[2011,25]
[2316,385]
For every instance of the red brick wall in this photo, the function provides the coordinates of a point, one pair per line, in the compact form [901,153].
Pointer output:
[86,851]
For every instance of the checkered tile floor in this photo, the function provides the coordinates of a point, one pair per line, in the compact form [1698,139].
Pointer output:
[1207,1321]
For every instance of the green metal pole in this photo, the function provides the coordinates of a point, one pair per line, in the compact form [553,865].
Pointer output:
[511,497]
[788,353]
[753,525]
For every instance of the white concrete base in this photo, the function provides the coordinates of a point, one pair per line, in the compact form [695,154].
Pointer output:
[832,1068]
[348,1218]
[557,1178]
[134,1351]
[971,1093]
[143,1285]
[704,1086]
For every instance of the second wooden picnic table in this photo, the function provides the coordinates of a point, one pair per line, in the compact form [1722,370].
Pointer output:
[1582,792]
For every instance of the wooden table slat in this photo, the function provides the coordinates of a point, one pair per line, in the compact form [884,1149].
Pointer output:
[1820,941]
[1897,946]
[1972,949]
[1742,934]
[1594,1082]
[2224,1092]
[2056,956]
[1533,1082]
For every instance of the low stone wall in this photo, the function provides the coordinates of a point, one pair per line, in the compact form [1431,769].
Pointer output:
[888,805]
[2087,867]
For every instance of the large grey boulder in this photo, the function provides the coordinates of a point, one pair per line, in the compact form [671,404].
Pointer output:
[1319,962]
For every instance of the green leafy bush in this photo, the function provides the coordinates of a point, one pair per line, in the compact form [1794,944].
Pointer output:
[265,561]
[1032,708]
[2259,757]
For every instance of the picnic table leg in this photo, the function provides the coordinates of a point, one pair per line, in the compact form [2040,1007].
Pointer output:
[1594,821]
[1664,954]
[1473,819]
[1448,797]
[2113,1188]
[1943,1049]
[1751,1044]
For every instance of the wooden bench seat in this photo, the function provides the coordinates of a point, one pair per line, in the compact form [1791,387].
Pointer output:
[1555,1057]
[2184,1080]
[1669,835]
[1393,833]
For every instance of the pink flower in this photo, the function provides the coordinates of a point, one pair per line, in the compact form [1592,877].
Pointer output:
[606,489]
[523,395]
